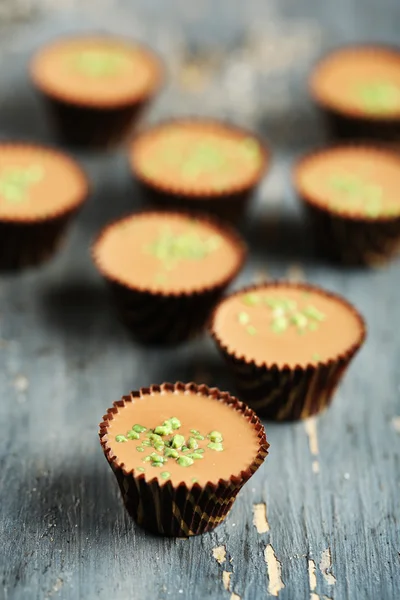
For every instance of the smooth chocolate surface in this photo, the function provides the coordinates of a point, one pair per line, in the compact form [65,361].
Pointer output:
[361,81]
[101,70]
[167,252]
[195,412]
[352,180]
[286,326]
[37,182]
[199,156]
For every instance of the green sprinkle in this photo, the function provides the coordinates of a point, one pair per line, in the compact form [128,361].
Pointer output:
[139,428]
[121,438]
[279,325]
[158,447]
[215,436]
[155,438]
[165,475]
[171,453]
[97,63]
[174,422]
[217,446]
[194,480]
[195,455]
[243,318]
[170,247]
[346,183]
[314,313]
[177,441]
[146,443]
[299,320]
[185,448]
[316,357]
[192,443]
[200,450]
[156,459]
[140,469]
[379,96]
[139,449]
[163,430]
[132,435]
[251,299]
[313,326]
[185,461]
[251,330]
[196,434]
[16,181]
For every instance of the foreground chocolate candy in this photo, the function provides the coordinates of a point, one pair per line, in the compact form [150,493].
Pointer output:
[287,345]
[181,453]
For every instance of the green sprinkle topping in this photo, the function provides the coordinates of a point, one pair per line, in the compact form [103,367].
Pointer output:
[185,461]
[140,469]
[284,313]
[98,63]
[379,96]
[15,182]
[177,441]
[139,428]
[155,438]
[196,434]
[243,318]
[171,247]
[316,357]
[194,480]
[192,443]
[156,459]
[299,320]
[165,475]
[174,422]
[171,453]
[251,299]
[314,313]
[279,324]
[195,455]
[251,330]
[168,445]
[163,429]
[217,446]
[215,436]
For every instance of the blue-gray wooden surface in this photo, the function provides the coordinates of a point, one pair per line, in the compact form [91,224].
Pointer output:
[328,494]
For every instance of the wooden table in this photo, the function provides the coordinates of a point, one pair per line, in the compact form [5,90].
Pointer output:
[320,520]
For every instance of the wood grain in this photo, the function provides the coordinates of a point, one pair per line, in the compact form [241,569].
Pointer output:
[329,491]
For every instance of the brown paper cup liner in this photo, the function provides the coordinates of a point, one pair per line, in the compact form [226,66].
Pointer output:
[80,124]
[352,126]
[351,239]
[169,318]
[229,204]
[347,128]
[289,393]
[30,241]
[180,511]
